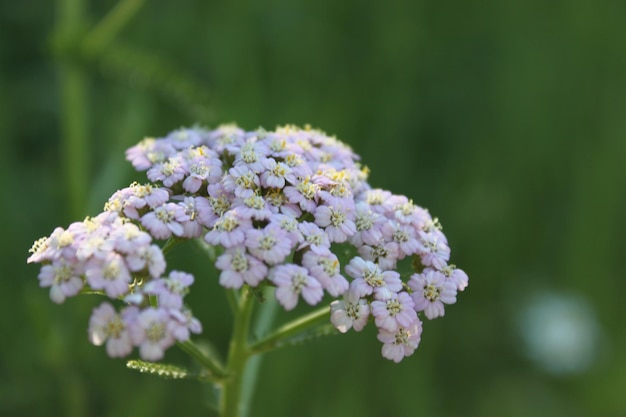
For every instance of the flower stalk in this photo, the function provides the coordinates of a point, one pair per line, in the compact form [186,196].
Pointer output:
[238,369]
[301,324]
[110,25]
[238,355]
[73,97]
[215,369]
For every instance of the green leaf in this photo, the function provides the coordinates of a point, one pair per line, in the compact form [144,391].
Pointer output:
[159,369]
[309,335]
[310,326]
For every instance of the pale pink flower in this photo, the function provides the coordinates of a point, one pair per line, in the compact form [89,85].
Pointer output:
[314,238]
[400,343]
[182,324]
[241,181]
[338,194]
[368,226]
[325,268]
[228,137]
[275,174]
[238,267]
[403,238]
[369,278]
[279,204]
[431,290]
[252,154]
[147,257]
[291,281]
[385,254]
[107,326]
[148,152]
[433,250]
[152,332]
[168,172]
[109,274]
[457,276]
[40,251]
[298,165]
[144,197]
[118,203]
[203,167]
[128,237]
[97,244]
[63,278]
[170,291]
[270,244]
[406,212]
[219,199]
[378,200]
[336,221]
[203,211]
[61,244]
[185,138]
[253,207]
[305,193]
[165,220]
[290,225]
[394,312]
[229,230]
[351,312]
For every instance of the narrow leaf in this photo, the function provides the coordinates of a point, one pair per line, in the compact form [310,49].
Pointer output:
[159,369]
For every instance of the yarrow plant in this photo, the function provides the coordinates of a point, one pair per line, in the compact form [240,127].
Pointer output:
[274,210]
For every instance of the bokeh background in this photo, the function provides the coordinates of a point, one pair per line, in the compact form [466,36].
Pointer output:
[507,119]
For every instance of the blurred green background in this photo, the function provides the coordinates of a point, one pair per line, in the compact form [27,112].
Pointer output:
[507,119]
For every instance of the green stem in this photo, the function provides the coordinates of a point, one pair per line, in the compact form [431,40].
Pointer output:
[233,301]
[230,404]
[74,128]
[73,95]
[263,323]
[214,366]
[170,243]
[294,327]
[110,25]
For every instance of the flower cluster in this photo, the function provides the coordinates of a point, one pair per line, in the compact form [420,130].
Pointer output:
[278,205]
[112,255]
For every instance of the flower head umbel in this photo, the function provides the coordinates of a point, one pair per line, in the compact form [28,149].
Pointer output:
[279,209]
